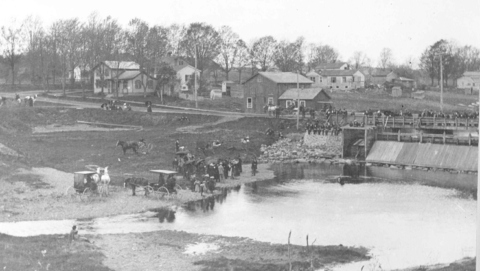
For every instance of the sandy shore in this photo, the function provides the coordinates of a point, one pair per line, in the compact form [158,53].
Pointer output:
[43,196]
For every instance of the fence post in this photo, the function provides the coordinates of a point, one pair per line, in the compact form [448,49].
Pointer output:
[469,139]
[403,124]
[467,124]
[456,122]
[434,121]
[398,137]
[421,137]
[443,137]
[393,121]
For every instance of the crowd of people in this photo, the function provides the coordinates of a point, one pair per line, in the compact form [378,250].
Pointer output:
[327,128]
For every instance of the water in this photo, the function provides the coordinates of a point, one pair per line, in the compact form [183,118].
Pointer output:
[404,224]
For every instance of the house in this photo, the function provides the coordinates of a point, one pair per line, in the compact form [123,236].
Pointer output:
[184,71]
[406,82]
[469,80]
[379,77]
[125,76]
[333,66]
[337,79]
[315,98]
[265,88]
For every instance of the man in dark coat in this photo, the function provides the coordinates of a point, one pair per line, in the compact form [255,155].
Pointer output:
[226,168]
[254,166]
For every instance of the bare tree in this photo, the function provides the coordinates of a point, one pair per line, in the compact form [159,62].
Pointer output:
[137,46]
[318,54]
[244,59]
[263,52]
[386,58]
[13,40]
[175,34]
[359,59]
[230,46]
[289,55]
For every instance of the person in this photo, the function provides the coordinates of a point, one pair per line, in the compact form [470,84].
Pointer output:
[197,184]
[203,188]
[254,166]
[226,169]
[239,165]
[73,233]
[177,145]
[175,164]
[221,171]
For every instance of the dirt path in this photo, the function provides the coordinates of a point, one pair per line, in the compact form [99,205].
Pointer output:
[192,128]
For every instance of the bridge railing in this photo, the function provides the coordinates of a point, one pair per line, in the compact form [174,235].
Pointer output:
[420,122]
[471,140]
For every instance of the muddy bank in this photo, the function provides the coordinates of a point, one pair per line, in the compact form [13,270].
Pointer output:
[173,250]
[46,194]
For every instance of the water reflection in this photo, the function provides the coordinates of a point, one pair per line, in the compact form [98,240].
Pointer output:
[165,214]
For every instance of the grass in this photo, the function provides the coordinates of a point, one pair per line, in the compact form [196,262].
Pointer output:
[25,253]
[31,180]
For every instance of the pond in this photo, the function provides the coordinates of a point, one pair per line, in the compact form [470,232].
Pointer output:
[398,215]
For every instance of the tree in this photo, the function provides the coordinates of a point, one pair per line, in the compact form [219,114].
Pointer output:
[318,54]
[68,46]
[289,56]
[386,58]
[203,42]
[427,63]
[230,47]
[34,53]
[137,46]
[244,59]
[359,59]
[166,75]
[13,40]
[263,52]
[175,34]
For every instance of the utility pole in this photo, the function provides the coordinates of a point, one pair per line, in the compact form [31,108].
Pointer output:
[195,78]
[441,83]
[298,101]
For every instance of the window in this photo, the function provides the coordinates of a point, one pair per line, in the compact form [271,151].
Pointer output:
[334,79]
[97,72]
[98,83]
[180,62]
[106,72]
[303,102]
[289,103]
[249,102]
[320,79]
[188,77]
[259,79]
[138,84]
[312,78]
[270,100]
[344,79]
[125,83]
[150,84]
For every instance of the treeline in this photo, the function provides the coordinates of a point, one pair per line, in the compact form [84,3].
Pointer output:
[50,53]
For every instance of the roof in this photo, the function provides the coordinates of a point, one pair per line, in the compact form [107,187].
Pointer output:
[283,77]
[163,171]
[85,172]
[302,93]
[128,75]
[338,72]
[312,73]
[404,79]
[471,73]
[122,65]
[330,66]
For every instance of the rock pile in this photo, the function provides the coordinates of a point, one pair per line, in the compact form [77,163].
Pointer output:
[312,148]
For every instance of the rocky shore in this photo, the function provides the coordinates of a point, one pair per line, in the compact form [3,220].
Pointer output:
[303,148]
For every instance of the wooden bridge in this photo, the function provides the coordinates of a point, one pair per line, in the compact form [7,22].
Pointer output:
[419,122]
[470,140]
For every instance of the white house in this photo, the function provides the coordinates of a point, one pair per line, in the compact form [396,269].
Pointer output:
[122,75]
[184,71]
[333,66]
[469,80]
[337,79]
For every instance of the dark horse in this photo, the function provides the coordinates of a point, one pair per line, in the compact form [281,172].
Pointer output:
[134,182]
[128,145]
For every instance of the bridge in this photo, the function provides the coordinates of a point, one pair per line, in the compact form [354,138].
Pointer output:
[417,122]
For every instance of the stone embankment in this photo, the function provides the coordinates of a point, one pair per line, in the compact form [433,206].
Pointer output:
[306,148]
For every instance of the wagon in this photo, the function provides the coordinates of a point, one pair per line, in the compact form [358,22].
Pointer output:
[83,183]
[166,182]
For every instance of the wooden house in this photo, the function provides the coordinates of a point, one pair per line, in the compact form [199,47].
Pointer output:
[315,98]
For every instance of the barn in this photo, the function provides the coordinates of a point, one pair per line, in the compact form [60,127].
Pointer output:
[315,98]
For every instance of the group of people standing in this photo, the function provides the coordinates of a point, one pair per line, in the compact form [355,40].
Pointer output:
[326,128]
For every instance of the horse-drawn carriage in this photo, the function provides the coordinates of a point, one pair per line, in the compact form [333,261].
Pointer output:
[165,186]
[84,184]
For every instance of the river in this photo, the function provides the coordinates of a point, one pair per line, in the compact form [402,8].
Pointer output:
[398,215]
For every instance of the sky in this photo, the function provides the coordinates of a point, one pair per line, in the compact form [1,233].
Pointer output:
[407,27]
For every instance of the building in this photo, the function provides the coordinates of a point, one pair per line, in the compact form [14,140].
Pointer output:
[333,66]
[379,77]
[315,98]
[125,76]
[184,71]
[406,82]
[265,88]
[469,80]
[337,79]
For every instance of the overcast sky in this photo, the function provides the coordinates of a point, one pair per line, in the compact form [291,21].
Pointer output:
[407,26]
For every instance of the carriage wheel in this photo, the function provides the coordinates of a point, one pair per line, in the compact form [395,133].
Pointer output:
[86,193]
[70,191]
[178,187]
[162,191]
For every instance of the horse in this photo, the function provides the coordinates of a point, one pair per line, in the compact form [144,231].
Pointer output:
[3,100]
[105,181]
[271,109]
[30,99]
[134,182]
[128,145]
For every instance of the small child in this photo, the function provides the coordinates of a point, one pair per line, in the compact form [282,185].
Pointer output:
[73,232]
[197,185]
[203,188]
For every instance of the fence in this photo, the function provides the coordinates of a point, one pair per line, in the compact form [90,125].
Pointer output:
[428,138]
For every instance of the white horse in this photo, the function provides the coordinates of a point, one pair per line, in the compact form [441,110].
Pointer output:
[105,181]
[27,99]
[271,109]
